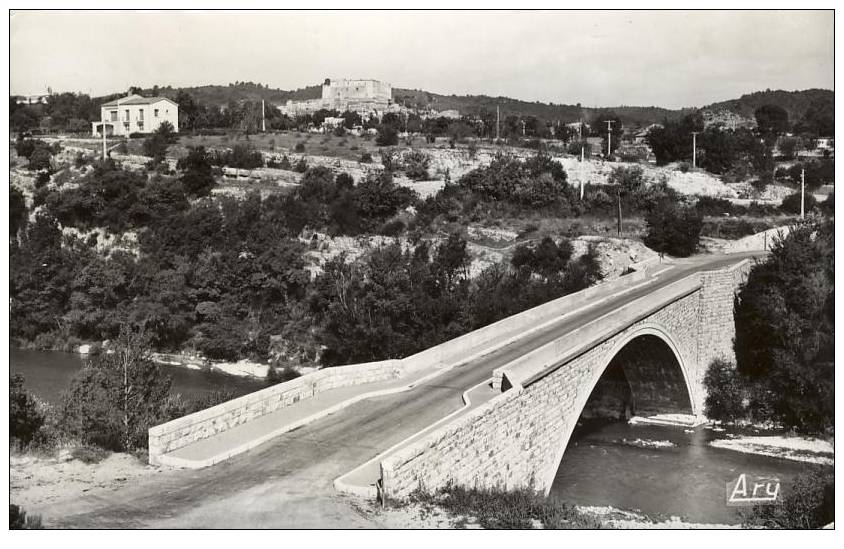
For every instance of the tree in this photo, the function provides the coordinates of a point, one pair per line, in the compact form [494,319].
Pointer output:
[117,397]
[198,176]
[673,229]
[18,213]
[785,329]
[599,129]
[673,140]
[388,136]
[41,158]
[791,203]
[771,120]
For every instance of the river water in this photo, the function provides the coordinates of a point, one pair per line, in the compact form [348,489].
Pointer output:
[48,373]
[605,465]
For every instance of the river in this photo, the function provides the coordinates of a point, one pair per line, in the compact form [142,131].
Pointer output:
[602,466]
[48,373]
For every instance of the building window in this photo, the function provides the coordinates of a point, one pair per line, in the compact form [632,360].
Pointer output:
[155,113]
[141,125]
[141,114]
[126,125]
[127,115]
[114,116]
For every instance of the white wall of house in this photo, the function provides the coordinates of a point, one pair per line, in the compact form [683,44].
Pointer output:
[128,119]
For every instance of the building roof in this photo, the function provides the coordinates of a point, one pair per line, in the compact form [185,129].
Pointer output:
[136,100]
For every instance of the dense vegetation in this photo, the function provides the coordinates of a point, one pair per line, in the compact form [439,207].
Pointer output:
[505,509]
[784,344]
[808,504]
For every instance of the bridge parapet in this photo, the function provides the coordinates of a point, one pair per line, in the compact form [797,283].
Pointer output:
[200,425]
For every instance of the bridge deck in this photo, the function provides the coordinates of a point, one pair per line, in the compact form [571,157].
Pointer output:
[462,378]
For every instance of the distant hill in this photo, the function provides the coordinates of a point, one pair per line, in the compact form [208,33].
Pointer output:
[794,102]
[475,104]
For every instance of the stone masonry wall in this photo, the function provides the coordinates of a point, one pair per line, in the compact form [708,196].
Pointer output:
[717,327]
[203,424]
[518,438]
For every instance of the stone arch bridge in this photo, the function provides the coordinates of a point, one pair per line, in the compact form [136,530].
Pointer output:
[518,438]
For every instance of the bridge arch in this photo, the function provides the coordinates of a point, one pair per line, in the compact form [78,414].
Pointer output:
[647,330]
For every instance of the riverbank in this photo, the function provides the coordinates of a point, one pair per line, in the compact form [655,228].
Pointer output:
[794,448]
[429,516]
[37,480]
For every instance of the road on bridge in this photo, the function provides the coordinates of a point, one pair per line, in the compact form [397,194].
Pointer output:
[287,482]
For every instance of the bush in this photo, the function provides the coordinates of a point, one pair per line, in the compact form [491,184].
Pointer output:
[366,158]
[809,503]
[116,398]
[416,165]
[392,228]
[791,203]
[673,229]
[299,148]
[89,454]
[387,136]
[514,509]
[19,520]
[25,417]
[726,392]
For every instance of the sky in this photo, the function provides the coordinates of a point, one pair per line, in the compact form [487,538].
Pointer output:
[670,59]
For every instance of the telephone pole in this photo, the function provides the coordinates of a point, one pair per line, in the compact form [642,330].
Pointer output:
[694,149]
[618,191]
[609,150]
[497,123]
[802,193]
[263,118]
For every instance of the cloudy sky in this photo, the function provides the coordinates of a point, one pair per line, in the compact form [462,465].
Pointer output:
[671,59]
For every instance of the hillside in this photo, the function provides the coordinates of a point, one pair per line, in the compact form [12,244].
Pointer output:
[794,102]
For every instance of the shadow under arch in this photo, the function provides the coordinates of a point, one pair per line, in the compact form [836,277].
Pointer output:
[664,386]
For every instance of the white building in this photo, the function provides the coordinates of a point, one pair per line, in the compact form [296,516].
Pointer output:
[136,114]
[363,96]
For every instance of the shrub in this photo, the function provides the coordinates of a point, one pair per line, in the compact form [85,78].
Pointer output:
[19,520]
[387,136]
[277,375]
[116,398]
[513,509]
[301,166]
[673,229]
[791,203]
[300,147]
[726,393]
[416,165]
[392,228]
[89,454]
[366,158]
[25,417]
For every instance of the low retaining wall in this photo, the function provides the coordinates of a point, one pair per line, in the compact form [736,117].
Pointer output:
[211,421]
[206,423]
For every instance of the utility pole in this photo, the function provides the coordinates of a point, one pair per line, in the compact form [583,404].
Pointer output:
[263,118]
[619,211]
[497,122]
[609,150]
[802,193]
[102,127]
[694,149]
